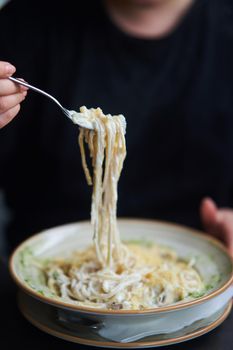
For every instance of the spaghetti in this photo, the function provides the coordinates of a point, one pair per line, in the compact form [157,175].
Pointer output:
[110,274]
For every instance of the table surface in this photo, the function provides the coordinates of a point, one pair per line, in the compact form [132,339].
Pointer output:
[16,329]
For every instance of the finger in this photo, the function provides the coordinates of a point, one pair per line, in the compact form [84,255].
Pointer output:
[20,87]
[7,87]
[8,102]
[6,69]
[209,214]
[6,117]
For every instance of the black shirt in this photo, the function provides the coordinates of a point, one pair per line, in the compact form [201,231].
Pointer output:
[175,92]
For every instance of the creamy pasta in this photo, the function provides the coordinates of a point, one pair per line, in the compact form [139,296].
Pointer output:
[106,144]
[111,274]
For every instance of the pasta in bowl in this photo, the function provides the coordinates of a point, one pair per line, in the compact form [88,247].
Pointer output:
[157,272]
[207,257]
[154,276]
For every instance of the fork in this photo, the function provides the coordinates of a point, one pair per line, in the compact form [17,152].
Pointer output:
[67,112]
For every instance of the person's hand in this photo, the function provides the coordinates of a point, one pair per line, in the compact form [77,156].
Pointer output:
[218,222]
[11,95]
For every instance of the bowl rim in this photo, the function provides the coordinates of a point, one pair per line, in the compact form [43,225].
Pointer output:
[176,306]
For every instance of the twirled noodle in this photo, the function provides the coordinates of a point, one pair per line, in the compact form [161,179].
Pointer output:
[111,274]
[106,144]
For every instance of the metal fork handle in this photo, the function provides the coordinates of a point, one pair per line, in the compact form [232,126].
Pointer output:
[80,121]
[18,81]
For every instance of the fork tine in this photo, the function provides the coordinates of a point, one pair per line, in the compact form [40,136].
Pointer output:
[67,113]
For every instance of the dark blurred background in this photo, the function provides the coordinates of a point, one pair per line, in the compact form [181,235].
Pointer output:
[175,90]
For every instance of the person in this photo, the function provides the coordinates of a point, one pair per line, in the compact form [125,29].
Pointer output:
[165,64]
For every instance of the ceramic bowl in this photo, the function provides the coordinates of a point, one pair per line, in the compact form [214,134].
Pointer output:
[124,326]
